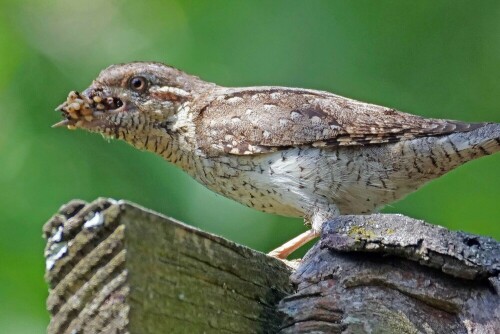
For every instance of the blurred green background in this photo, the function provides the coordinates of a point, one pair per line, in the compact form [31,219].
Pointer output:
[432,58]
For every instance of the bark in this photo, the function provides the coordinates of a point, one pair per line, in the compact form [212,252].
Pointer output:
[393,274]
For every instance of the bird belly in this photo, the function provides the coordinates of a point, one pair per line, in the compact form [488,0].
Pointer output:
[299,181]
[247,181]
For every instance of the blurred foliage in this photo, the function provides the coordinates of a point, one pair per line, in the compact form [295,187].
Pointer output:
[433,58]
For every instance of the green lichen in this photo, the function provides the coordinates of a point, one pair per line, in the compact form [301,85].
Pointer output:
[361,232]
[390,231]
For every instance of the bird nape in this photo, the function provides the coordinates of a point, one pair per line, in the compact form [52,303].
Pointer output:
[288,151]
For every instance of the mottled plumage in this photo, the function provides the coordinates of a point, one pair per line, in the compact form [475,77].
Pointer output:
[293,152]
[246,121]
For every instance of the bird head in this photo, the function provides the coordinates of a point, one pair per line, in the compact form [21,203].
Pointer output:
[129,100]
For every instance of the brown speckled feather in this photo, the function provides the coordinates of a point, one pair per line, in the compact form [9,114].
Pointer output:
[260,120]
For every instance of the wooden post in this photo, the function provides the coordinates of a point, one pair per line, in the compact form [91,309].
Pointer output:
[114,267]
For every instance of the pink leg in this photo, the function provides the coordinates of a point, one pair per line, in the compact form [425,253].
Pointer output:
[289,247]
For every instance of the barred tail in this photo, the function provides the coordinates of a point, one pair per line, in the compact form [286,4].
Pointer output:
[435,156]
[477,143]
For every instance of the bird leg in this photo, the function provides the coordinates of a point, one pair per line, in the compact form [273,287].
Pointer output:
[316,218]
[291,246]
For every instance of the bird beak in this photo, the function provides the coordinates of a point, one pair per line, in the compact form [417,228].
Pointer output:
[61,124]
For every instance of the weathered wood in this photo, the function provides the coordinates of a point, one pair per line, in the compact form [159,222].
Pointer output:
[394,274]
[114,267]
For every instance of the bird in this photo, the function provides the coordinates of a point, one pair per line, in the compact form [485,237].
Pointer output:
[288,151]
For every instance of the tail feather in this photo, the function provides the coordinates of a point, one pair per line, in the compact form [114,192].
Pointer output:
[481,141]
[439,155]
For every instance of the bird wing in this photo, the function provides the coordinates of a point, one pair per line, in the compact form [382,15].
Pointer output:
[260,120]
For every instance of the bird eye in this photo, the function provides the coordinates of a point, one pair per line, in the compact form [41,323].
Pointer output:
[138,84]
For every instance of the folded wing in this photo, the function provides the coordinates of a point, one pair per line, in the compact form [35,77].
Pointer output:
[260,120]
